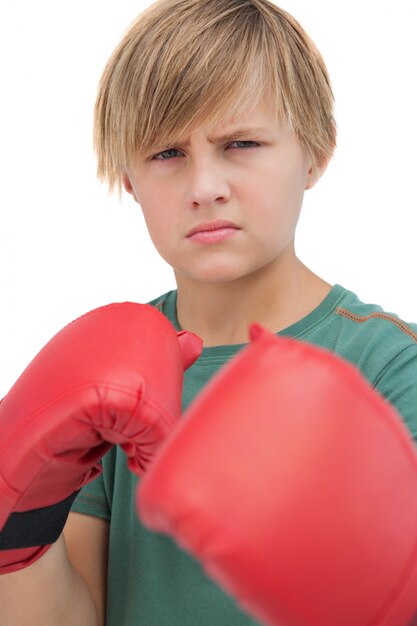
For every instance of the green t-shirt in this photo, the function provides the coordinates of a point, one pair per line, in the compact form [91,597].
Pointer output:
[151,582]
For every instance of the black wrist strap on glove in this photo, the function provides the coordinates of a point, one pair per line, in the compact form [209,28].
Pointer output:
[39,527]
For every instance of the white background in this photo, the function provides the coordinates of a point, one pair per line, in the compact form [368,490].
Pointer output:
[67,247]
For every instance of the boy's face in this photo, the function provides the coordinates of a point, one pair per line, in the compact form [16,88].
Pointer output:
[257,187]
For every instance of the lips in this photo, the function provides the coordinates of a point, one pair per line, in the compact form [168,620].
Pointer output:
[212,226]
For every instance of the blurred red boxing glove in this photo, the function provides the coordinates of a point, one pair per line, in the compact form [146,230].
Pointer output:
[113,376]
[295,484]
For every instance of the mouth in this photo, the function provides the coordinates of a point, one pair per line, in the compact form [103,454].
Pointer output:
[213,232]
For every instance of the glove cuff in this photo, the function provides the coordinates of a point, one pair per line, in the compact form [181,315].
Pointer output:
[35,528]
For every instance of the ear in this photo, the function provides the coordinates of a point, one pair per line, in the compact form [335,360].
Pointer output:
[316,172]
[128,185]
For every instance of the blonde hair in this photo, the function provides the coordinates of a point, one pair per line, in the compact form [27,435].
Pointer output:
[184,63]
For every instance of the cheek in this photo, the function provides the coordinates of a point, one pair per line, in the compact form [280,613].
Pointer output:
[148,198]
[279,197]
[156,205]
[159,227]
[281,189]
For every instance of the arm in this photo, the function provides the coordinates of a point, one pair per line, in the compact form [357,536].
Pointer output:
[47,593]
[294,483]
[114,376]
[86,539]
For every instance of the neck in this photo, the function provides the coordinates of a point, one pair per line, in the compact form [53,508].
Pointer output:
[220,313]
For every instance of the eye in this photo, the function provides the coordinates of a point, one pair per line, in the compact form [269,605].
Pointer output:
[163,158]
[254,144]
[160,156]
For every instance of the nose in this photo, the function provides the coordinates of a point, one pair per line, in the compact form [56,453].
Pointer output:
[207,183]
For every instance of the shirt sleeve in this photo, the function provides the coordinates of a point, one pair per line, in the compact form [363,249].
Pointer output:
[398,384]
[92,499]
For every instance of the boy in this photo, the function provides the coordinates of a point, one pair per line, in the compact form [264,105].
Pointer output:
[216,116]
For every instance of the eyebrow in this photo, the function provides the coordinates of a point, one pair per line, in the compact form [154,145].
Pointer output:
[236,134]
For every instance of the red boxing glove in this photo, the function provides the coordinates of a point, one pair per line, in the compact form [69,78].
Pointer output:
[113,376]
[295,484]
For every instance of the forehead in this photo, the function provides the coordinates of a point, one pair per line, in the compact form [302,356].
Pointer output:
[262,112]
[258,119]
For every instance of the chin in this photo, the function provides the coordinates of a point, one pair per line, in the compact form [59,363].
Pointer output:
[216,276]
[221,270]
